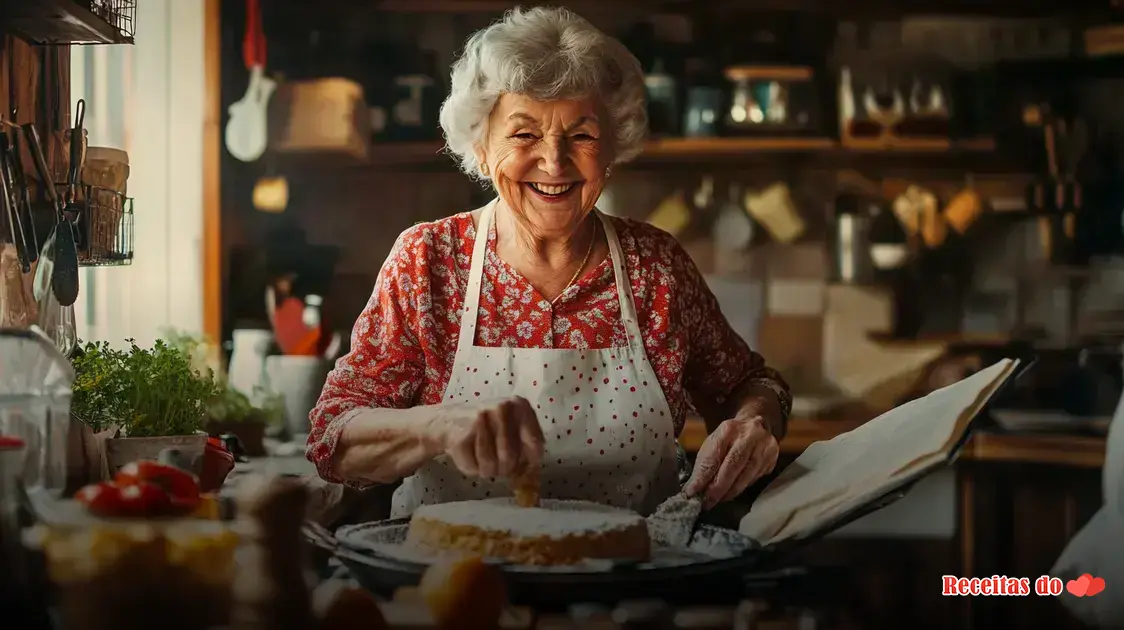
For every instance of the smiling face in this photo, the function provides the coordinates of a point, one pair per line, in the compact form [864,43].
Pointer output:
[547,160]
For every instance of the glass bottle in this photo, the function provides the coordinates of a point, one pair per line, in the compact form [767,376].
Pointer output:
[20,598]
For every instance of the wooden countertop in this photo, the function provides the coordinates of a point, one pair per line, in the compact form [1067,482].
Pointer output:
[1078,451]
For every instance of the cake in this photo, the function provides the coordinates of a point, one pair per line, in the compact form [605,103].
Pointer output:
[555,533]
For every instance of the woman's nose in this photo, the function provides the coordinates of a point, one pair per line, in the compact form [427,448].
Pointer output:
[555,154]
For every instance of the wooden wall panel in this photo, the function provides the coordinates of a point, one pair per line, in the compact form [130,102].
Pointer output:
[212,185]
[36,80]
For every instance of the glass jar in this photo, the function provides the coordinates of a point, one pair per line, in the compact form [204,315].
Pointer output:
[123,575]
[35,390]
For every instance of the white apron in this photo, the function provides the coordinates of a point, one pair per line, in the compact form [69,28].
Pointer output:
[609,432]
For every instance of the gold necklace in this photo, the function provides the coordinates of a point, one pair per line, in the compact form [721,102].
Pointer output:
[588,252]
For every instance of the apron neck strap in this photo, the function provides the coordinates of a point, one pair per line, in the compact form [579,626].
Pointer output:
[624,287]
[475,278]
[476,275]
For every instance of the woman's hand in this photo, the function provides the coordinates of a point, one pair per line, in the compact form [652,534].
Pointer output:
[495,439]
[738,452]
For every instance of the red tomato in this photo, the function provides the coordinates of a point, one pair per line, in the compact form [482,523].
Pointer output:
[103,499]
[181,486]
[145,499]
[137,500]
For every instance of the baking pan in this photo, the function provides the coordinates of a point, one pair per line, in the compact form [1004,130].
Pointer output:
[708,570]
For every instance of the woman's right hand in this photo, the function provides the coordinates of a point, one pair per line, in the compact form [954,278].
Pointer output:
[495,439]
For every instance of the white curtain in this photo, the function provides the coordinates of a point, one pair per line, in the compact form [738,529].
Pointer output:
[148,99]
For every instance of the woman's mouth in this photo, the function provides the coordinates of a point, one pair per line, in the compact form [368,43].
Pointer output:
[553,192]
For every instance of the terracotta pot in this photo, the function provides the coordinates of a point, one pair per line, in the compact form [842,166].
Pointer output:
[251,432]
[121,451]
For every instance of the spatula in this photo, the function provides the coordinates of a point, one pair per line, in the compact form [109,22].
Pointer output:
[673,522]
[64,275]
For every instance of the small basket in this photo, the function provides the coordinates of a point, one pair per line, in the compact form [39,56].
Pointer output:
[103,227]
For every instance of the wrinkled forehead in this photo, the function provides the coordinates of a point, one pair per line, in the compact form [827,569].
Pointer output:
[520,109]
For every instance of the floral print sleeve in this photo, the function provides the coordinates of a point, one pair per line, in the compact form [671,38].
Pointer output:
[386,364]
[718,360]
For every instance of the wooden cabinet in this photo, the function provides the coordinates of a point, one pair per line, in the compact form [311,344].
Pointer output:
[1015,519]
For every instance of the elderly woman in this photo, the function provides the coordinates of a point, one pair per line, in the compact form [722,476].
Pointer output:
[536,333]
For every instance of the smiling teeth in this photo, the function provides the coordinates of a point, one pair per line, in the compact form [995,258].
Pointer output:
[552,189]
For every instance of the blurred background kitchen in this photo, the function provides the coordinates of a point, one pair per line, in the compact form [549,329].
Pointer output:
[884,198]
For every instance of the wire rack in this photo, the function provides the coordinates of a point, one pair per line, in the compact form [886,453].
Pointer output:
[120,14]
[69,22]
[103,227]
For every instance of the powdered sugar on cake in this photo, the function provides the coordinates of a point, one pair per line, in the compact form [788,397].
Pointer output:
[553,518]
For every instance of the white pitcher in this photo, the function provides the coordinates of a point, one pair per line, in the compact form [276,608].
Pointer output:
[247,361]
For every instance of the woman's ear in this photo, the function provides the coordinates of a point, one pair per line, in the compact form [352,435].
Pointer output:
[482,160]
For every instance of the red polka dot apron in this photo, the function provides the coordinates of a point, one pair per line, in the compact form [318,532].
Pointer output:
[608,429]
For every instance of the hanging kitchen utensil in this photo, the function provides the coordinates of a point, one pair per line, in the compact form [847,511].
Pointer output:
[74,209]
[64,278]
[672,215]
[774,210]
[964,208]
[55,320]
[41,285]
[733,230]
[17,182]
[8,203]
[247,130]
[21,194]
[850,245]
[64,275]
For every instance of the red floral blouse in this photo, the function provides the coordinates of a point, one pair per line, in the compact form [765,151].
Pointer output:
[404,342]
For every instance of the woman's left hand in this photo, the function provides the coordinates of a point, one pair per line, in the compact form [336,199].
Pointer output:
[739,452]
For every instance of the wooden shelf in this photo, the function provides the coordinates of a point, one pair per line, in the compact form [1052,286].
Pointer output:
[816,152]
[56,22]
[826,153]
[672,148]
[866,8]
[989,340]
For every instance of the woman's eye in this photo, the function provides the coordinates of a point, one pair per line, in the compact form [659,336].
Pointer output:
[584,136]
[524,136]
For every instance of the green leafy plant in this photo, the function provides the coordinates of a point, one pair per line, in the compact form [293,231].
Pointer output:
[227,404]
[147,392]
[231,405]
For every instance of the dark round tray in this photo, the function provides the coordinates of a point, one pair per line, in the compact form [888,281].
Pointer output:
[710,570]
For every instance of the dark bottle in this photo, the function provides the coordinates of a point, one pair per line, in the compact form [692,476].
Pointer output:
[22,601]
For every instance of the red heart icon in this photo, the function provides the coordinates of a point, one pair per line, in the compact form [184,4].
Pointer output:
[1079,586]
[1096,585]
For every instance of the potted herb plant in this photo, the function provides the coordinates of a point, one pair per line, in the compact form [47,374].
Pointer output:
[230,410]
[149,399]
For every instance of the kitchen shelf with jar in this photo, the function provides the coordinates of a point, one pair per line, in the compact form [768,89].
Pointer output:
[60,22]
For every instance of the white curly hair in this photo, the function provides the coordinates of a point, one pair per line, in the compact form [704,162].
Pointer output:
[546,54]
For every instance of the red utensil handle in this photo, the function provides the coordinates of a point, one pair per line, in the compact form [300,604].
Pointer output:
[253,45]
